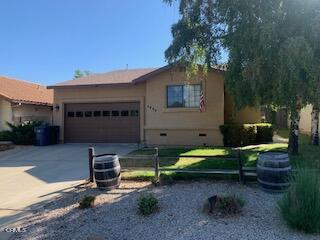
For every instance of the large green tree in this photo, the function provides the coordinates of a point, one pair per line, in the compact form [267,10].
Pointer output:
[270,45]
[315,97]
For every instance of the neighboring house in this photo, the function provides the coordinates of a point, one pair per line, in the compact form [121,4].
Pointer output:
[22,101]
[305,119]
[156,106]
[281,119]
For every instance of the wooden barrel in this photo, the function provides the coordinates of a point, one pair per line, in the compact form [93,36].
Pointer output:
[107,172]
[273,171]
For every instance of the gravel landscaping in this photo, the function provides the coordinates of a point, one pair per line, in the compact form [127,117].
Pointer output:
[180,215]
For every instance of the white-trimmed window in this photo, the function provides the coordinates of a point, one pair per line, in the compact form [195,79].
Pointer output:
[183,96]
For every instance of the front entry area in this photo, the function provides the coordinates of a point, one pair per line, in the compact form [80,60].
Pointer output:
[102,122]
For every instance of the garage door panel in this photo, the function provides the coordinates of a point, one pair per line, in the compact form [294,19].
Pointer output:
[102,122]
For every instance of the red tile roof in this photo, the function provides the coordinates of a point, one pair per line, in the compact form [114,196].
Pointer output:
[21,91]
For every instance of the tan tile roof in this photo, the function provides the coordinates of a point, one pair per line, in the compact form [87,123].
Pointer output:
[127,76]
[21,91]
[114,77]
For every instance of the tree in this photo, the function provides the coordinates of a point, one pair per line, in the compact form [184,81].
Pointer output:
[78,73]
[269,44]
[196,36]
[315,101]
[294,81]
[315,97]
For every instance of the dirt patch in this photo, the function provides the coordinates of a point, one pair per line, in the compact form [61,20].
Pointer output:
[5,146]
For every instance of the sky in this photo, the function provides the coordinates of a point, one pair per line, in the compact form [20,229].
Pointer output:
[45,41]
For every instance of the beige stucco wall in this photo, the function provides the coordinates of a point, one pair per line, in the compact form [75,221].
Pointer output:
[5,114]
[246,115]
[305,120]
[95,95]
[28,112]
[182,126]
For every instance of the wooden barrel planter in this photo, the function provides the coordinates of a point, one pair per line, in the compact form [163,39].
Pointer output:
[107,172]
[273,171]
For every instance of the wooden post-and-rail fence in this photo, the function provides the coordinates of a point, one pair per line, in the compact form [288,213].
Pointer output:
[241,171]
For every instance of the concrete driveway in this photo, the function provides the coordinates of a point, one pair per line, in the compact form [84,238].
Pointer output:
[31,175]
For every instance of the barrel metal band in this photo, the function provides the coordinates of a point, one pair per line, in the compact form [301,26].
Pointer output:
[277,161]
[105,160]
[274,169]
[107,170]
[108,180]
[274,184]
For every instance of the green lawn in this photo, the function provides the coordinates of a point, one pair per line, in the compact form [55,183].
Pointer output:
[309,157]
[221,154]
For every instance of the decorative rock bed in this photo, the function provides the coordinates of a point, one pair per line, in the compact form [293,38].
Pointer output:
[180,215]
[4,145]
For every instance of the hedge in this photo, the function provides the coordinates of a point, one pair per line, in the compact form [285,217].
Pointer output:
[235,135]
[5,136]
[264,132]
[22,134]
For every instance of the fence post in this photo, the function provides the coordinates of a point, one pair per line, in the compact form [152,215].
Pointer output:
[241,175]
[156,164]
[91,154]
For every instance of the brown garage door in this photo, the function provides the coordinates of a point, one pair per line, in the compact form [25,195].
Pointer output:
[102,122]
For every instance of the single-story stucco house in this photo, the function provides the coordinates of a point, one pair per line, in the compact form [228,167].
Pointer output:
[282,119]
[156,106]
[22,101]
[305,119]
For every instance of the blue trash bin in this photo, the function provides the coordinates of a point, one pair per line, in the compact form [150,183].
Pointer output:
[42,137]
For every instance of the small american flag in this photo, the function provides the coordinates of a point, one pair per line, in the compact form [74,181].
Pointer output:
[202,105]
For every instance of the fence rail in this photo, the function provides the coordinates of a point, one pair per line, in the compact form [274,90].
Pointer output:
[240,171]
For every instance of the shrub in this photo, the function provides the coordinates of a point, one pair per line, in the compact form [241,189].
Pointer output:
[5,136]
[300,206]
[87,202]
[229,205]
[224,205]
[248,134]
[264,132]
[235,135]
[147,204]
[23,134]
[231,135]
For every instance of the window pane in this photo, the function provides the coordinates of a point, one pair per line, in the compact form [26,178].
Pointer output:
[106,113]
[192,95]
[175,96]
[79,114]
[97,113]
[124,113]
[134,113]
[115,113]
[88,114]
[70,114]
